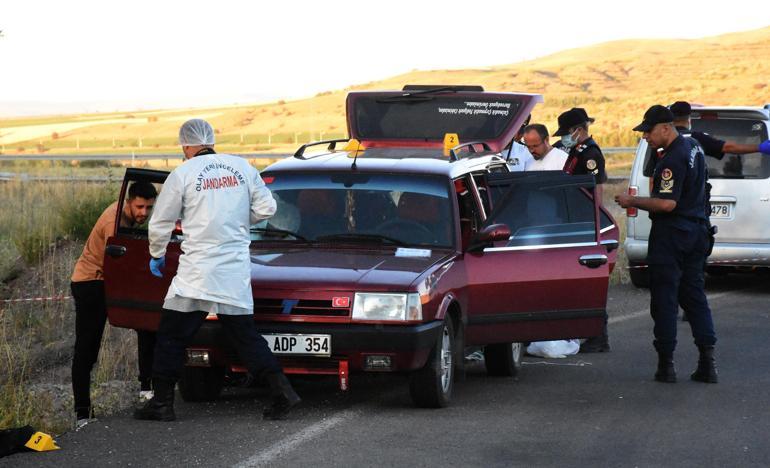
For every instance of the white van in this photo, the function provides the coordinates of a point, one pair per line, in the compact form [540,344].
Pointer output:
[740,194]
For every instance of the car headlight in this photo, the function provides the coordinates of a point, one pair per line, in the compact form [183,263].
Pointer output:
[387,306]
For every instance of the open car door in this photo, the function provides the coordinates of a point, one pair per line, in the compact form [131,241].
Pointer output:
[549,280]
[134,295]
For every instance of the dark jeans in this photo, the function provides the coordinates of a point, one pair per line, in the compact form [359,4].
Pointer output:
[146,349]
[90,318]
[177,329]
[677,256]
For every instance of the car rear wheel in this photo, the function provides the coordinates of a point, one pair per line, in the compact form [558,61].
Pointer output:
[640,277]
[431,386]
[504,359]
[201,383]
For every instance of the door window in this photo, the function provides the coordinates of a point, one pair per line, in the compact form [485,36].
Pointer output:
[548,210]
[137,185]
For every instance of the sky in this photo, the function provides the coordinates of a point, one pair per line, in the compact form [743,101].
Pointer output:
[102,55]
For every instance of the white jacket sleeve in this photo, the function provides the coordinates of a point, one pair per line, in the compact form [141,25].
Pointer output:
[168,208]
[262,202]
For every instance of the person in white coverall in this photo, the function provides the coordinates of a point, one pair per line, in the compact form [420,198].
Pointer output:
[217,197]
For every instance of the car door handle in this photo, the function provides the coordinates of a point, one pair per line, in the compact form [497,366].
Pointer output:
[593,261]
[115,250]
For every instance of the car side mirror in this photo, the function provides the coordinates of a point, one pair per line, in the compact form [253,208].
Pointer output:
[490,234]
[610,244]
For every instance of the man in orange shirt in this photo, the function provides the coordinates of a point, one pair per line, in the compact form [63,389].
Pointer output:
[90,306]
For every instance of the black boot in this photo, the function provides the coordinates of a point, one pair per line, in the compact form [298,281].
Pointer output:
[666,372]
[706,371]
[284,397]
[161,406]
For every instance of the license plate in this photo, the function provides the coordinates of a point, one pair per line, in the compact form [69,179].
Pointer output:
[312,345]
[720,210]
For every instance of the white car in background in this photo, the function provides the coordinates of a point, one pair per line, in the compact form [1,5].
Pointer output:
[740,194]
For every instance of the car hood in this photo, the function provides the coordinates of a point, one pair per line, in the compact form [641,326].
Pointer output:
[341,269]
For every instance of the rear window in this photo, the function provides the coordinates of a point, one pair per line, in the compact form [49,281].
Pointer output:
[431,117]
[736,166]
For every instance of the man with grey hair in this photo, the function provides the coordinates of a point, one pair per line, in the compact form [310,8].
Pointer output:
[217,197]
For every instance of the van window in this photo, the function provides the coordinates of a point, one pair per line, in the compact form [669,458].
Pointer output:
[736,166]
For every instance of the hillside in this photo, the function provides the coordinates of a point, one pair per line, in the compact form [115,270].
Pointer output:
[614,81]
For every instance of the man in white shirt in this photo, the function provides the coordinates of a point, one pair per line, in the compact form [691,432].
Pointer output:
[516,154]
[545,156]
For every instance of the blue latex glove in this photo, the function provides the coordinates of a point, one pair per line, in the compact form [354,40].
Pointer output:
[157,265]
[764,147]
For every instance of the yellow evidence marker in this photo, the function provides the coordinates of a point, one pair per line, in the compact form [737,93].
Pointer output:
[41,442]
[354,146]
[450,141]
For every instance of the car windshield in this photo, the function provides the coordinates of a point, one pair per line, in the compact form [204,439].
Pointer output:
[388,209]
[430,116]
[736,166]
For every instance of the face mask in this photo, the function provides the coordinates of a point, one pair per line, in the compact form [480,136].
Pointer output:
[568,140]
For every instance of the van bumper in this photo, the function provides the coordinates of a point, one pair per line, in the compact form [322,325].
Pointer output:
[724,253]
[636,250]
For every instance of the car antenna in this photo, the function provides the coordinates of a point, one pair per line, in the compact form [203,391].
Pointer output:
[355,147]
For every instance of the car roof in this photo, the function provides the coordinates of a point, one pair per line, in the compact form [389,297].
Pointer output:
[403,160]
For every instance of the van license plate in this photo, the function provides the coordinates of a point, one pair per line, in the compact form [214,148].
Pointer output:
[720,210]
[308,345]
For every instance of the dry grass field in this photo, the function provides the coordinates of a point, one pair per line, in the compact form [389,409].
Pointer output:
[614,81]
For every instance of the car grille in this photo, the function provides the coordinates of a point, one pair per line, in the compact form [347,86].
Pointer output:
[299,307]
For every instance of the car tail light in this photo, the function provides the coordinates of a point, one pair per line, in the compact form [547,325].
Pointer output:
[631,212]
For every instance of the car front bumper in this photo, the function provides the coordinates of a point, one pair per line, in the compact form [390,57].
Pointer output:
[407,346]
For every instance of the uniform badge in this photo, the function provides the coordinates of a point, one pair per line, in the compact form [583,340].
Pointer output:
[591,164]
[666,181]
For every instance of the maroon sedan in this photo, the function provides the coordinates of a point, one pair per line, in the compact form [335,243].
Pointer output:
[399,256]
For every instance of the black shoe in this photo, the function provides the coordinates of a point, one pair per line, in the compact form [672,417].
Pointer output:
[284,397]
[666,372]
[597,344]
[161,406]
[706,371]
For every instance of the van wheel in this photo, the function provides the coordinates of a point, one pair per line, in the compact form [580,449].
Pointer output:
[504,359]
[201,383]
[431,386]
[640,277]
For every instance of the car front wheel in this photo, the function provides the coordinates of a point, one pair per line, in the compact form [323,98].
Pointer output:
[431,386]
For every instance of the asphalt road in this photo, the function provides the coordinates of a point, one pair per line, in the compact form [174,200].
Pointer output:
[585,410]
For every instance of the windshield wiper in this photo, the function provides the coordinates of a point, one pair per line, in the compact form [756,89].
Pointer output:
[416,96]
[272,230]
[360,237]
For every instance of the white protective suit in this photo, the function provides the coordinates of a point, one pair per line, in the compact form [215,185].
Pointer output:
[217,197]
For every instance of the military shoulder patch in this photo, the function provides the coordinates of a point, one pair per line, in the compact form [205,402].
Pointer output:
[666,181]
[591,164]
